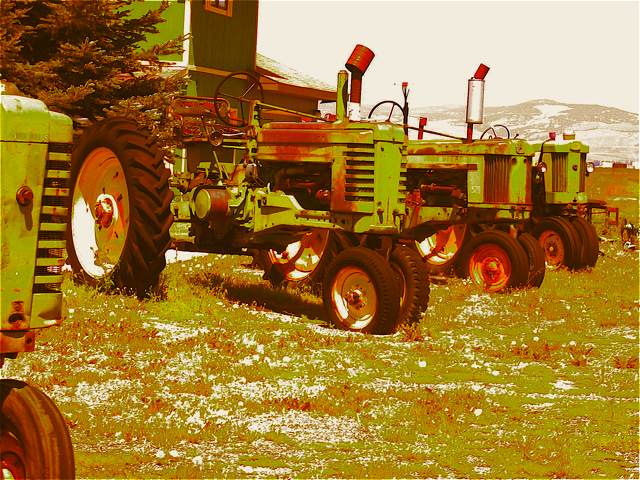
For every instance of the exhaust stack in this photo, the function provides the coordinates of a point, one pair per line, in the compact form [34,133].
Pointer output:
[475,99]
[357,64]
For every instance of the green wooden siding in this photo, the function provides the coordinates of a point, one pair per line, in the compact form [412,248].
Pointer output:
[225,43]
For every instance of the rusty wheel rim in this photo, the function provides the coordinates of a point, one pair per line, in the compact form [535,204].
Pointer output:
[300,259]
[12,457]
[442,246]
[490,267]
[100,213]
[553,247]
[354,298]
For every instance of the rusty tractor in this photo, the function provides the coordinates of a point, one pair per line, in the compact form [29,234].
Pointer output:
[257,186]
[35,149]
[484,183]
[562,215]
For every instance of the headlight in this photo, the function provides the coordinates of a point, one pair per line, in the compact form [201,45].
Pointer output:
[590,167]
[542,167]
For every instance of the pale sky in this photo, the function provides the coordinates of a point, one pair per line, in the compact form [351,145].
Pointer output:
[572,51]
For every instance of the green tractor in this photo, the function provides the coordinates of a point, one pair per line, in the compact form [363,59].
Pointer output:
[562,215]
[257,187]
[35,149]
[486,185]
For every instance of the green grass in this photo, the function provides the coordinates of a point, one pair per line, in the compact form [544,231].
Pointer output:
[226,377]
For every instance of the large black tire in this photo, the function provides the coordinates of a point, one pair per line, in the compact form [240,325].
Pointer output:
[536,259]
[360,294]
[560,242]
[590,242]
[306,267]
[142,213]
[34,439]
[494,260]
[414,282]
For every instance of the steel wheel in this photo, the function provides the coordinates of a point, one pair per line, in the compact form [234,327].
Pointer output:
[553,247]
[413,282]
[120,207]
[300,259]
[491,267]
[359,292]
[34,440]
[560,242]
[590,242]
[494,260]
[100,213]
[440,249]
[12,456]
[354,297]
[536,259]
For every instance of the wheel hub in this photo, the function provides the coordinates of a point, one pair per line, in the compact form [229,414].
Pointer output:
[356,298]
[105,211]
[492,268]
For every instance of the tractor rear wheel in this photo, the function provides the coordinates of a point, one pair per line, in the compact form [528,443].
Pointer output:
[560,242]
[34,439]
[414,283]
[590,242]
[304,261]
[536,259]
[360,294]
[120,210]
[441,249]
[494,260]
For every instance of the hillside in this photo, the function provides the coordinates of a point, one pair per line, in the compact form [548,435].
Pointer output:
[611,133]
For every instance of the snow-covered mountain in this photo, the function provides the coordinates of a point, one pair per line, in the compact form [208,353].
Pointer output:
[611,133]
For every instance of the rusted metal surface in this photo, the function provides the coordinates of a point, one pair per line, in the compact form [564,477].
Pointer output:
[35,148]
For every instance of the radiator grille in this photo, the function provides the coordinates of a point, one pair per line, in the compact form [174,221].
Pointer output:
[583,171]
[51,252]
[496,179]
[359,178]
[56,147]
[559,172]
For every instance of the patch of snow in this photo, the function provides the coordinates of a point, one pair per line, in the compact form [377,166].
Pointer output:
[551,110]
[564,385]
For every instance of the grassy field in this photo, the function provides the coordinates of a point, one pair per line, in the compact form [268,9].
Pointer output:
[226,377]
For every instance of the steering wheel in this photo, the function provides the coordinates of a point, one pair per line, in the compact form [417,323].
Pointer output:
[493,129]
[393,103]
[253,91]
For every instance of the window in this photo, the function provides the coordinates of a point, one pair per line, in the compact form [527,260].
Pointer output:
[223,7]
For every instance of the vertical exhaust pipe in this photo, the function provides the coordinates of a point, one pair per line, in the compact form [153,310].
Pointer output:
[475,99]
[357,64]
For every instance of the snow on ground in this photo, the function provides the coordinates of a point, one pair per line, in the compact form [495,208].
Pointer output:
[180,256]
[548,111]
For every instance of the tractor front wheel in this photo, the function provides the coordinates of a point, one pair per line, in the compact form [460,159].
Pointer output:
[360,294]
[495,260]
[536,259]
[120,208]
[590,242]
[414,283]
[34,439]
[560,242]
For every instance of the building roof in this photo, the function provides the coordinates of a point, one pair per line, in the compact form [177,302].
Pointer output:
[279,77]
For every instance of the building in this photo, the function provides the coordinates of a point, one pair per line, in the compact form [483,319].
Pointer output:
[222,38]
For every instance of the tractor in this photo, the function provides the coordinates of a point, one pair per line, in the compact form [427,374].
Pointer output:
[35,153]
[562,214]
[257,187]
[484,182]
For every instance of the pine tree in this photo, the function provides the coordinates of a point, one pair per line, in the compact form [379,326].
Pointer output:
[82,58]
